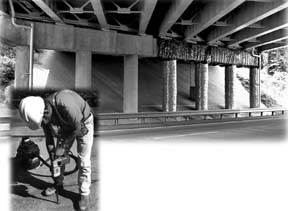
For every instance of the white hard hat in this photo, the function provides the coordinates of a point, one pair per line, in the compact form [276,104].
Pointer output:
[31,110]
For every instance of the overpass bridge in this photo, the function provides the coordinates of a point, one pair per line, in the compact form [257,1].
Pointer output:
[201,32]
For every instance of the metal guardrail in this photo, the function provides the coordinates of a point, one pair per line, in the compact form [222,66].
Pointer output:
[188,115]
[109,121]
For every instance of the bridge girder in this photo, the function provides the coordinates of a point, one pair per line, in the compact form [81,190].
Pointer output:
[191,20]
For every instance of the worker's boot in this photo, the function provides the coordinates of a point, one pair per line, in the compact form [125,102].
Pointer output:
[51,190]
[83,202]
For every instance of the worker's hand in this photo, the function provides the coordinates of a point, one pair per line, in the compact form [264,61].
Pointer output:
[60,150]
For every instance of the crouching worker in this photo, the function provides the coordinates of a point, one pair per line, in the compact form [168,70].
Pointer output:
[71,115]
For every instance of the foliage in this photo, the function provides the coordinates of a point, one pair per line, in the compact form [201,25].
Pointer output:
[274,78]
[268,96]
[7,66]
[244,81]
[277,61]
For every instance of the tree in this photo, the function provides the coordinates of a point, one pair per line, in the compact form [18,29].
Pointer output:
[7,66]
[277,61]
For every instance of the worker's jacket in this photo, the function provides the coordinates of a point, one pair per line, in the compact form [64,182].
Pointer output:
[69,112]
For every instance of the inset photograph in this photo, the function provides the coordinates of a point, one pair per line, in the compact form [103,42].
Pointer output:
[54,159]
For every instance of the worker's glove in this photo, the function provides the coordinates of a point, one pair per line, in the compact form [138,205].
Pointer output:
[60,151]
[84,130]
[61,147]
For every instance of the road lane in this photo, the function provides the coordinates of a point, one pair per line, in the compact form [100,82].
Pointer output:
[264,129]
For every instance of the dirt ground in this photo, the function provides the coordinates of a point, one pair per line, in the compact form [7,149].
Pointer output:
[26,187]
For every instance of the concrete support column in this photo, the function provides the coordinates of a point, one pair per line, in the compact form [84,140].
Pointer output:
[170,85]
[230,75]
[254,87]
[201,83]
[22,67]
[130,87]
[83,71]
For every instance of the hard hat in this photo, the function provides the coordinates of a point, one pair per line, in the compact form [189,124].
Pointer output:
[31,110]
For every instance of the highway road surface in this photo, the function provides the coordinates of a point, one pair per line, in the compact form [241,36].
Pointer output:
[258,129]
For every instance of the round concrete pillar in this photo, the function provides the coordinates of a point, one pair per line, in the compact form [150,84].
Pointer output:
[170,85]
[230,75]
[201,82]
[254,87]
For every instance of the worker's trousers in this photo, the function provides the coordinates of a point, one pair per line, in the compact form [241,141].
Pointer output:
[84,148]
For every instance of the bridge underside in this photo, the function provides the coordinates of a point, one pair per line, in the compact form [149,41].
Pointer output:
[204,32]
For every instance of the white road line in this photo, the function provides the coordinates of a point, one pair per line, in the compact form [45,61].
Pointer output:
[190,134]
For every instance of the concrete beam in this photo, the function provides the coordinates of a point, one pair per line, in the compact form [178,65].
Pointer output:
[43,6]
[130,87]
[174,13]
[211,13]
[148,8]
[267,39]
[250,13]
[273,46]
[270,24]
[83,70]
[69,38]
[98,9]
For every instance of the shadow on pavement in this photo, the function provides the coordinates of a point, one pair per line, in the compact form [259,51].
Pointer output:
[22,179]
